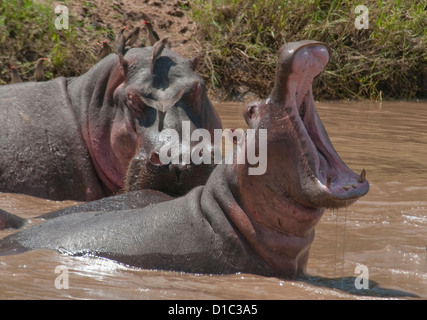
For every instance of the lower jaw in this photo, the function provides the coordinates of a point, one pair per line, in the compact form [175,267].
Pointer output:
[331,188]
[329,200]
[320,201]
[320,197]
[337,203]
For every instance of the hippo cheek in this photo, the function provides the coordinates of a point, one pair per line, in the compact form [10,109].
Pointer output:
[314,175]
[124,141]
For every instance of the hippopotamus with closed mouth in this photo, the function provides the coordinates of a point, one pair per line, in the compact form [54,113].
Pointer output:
[237,222]
[88,137]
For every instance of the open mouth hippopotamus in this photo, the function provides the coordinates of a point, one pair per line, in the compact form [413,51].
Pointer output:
[237,222]
[91,136]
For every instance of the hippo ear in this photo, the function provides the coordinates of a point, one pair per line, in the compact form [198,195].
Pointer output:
[124,64]
[196,61]
[157,51]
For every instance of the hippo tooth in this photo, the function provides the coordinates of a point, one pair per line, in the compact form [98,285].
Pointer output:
[362,176]
[346,187]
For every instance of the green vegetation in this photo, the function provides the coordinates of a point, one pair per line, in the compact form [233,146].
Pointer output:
[27,33]
[388,60]
[241,39]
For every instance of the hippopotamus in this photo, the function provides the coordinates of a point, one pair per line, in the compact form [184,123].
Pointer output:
[84,138]
[8,220]
[237,222]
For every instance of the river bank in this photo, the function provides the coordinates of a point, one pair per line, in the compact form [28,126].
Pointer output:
[240,39]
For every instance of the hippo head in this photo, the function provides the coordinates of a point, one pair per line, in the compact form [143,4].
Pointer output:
[148,94]
[304,173]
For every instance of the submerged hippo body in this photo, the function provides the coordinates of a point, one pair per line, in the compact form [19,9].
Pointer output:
[237,222]
[87,137]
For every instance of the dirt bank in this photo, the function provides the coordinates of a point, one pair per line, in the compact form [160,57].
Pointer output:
[169,18]
[29,33]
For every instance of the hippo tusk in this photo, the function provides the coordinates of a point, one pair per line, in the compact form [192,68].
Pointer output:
[362,176]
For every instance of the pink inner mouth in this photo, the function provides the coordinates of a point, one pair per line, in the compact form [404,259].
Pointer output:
[332,183]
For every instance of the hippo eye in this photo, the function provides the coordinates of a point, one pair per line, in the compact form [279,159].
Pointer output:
[144,114]
[135,104]
[250,111]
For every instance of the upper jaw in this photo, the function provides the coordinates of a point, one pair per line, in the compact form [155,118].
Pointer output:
[323,179]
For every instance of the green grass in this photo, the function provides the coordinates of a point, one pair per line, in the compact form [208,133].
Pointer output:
[27,33]
[241,39]
[386,61]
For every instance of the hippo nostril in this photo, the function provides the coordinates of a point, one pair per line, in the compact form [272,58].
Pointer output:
[155,159]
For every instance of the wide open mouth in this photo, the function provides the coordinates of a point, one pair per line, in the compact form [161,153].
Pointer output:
[324,179]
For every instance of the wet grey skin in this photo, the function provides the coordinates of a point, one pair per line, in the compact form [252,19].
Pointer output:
[92,136]
[261,224]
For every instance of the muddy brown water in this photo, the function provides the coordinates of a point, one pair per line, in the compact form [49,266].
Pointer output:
[381,238]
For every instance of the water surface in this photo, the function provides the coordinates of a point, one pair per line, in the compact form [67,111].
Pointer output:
[384,233]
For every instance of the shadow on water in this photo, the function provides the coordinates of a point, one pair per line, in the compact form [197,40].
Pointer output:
[347,285]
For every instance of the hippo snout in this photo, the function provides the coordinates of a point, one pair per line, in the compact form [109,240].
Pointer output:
[173,172]
[173,169]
